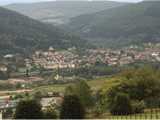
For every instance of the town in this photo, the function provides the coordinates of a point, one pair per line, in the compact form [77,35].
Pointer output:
[53,59]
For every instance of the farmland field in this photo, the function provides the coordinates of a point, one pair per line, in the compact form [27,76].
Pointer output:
[94,84]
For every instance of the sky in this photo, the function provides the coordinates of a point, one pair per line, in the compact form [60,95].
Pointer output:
[4,2]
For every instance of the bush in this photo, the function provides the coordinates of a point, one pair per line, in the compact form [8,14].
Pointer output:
[98,110]
[50,113]
[72,108]
[8,113]
[138,106]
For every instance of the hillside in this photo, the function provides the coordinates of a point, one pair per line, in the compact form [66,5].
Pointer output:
[129,24]
[19,33]
[59,12]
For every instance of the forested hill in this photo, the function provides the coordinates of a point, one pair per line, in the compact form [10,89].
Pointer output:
[19,33]
[129,24]
[59,12]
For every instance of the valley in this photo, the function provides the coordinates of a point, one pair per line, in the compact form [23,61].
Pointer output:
[53,66]
[80,59]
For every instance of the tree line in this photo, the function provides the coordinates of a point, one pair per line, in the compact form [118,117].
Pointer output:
[129,92]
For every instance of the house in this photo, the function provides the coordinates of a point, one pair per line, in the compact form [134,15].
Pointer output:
[112,61]
[8,56]
[126,60]
[45,102]
[3,68]
[155,54]
[6,102]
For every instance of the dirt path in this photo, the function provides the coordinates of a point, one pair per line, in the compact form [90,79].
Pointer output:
[2,93]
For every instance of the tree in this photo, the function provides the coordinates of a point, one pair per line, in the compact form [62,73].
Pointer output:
[72,108]
[100,104]
[27,72]
[28,109]
[3,75]
[70,90]
[37,95]
[83,91]
[121,105]
[140,84]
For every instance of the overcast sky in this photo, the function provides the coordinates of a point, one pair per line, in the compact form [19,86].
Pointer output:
[2,2]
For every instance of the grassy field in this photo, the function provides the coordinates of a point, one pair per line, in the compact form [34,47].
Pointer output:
[94,84]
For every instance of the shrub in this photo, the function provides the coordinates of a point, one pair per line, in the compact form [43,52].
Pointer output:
[138,106]
[50,113]
[98,110]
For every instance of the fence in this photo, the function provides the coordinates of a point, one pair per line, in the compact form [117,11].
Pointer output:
[148,114]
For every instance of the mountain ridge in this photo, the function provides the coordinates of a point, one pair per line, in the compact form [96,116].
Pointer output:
[60,12]
[21,34]
[129,24]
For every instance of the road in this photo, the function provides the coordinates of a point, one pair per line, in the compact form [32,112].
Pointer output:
[2,93]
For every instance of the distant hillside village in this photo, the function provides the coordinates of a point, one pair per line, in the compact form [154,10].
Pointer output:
[54,59]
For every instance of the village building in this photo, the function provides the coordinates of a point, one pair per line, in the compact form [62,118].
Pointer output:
[45,102]
[53,60]
[3,68]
